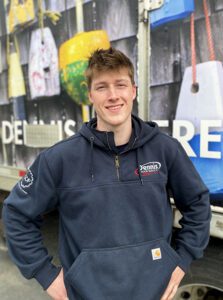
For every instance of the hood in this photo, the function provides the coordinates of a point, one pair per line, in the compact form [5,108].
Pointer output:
[142,133]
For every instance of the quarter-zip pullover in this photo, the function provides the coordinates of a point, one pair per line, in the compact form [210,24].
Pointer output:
[115,213]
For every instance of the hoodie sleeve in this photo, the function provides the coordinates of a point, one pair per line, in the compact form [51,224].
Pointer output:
[192,199]
[33,195]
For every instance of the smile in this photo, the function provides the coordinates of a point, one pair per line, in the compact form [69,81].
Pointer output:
[114,107]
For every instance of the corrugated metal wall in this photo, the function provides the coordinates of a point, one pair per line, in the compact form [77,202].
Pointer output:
[170,56]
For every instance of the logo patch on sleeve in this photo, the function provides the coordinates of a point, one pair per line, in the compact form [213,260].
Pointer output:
[156,253]
[27,180]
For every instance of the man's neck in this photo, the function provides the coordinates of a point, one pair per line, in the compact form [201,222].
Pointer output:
[122,136]
[122,133]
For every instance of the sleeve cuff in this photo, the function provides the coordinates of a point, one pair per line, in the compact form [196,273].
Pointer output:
[185,259]
[47,275]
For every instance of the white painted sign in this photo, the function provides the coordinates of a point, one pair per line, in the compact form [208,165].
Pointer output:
[13,131]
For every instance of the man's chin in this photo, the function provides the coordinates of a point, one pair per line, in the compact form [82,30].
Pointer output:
[116,120]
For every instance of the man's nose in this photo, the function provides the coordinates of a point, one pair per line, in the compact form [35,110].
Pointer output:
[113,95]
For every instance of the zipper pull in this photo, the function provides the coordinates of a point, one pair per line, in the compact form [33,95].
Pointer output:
[117,165]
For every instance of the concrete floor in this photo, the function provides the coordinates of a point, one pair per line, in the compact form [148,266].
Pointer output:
[13,286]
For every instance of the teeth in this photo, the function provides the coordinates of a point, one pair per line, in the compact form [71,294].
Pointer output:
[114,107]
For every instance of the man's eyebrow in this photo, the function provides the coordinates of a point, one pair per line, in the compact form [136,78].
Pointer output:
[122,80]
[105,82]
[100,82]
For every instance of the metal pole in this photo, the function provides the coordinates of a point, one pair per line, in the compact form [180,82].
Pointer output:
[144,54]
[1,68]
[143,62]
[79,15]
[80,28]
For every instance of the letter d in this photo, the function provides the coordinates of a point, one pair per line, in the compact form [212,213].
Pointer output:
[7,128]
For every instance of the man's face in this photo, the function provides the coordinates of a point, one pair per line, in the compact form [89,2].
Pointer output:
[112,94]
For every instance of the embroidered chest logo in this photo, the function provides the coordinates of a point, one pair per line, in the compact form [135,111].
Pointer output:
[149,168]
[27,180]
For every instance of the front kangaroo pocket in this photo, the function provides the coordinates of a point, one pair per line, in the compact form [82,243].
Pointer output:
[133,272]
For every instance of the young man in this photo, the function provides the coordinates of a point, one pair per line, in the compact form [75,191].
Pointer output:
[109,183]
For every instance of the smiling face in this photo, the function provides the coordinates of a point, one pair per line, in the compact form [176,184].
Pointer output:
[112,94]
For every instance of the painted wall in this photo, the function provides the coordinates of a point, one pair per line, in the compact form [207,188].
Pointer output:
[170,48]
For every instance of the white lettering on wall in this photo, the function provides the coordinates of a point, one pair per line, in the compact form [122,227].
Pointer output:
[184,131]
[13,131]
[207,138]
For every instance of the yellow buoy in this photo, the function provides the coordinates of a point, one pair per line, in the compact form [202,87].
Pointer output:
[73,60]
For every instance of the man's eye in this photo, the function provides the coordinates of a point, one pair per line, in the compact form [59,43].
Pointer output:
[99,88]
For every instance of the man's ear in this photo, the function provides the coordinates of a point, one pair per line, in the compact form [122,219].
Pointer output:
[90,97]
[134,91]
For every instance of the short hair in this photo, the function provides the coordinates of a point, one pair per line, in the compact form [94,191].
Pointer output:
[108,60]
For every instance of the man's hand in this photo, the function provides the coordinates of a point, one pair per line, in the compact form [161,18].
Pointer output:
[57,290]
[174,282]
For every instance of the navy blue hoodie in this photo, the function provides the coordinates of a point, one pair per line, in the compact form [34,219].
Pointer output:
[115,214]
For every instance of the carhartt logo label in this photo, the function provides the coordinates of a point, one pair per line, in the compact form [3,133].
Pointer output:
[149,168]
[156,253]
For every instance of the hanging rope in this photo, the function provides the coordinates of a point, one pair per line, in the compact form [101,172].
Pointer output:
[1,57]
[94,14]
[193,45]
[7,48]
[40,19]
[11,39]
[209,32]
[54,17]
[193,50]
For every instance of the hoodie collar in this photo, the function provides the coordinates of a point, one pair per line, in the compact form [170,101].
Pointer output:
[141,133]
[106,138]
